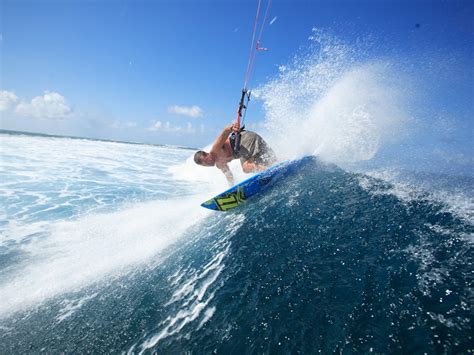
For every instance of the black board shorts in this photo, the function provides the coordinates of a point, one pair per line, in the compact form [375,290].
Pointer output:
[253,148]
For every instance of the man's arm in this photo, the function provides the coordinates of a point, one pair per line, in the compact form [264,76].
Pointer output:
[228,174]
[221,139]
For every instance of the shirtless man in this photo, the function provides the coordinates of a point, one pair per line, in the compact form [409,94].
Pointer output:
[254,153]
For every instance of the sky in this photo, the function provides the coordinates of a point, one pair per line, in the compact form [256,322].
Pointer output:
[171,72]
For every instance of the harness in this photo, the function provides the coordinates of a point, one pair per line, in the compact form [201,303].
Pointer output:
[234,140]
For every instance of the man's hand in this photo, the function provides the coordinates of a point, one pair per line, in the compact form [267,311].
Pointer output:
[235,127]
[228,174]
[252,167]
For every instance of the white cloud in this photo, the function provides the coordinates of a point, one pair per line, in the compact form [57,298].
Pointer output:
[169,128]
[191,111]
[123,124]
[159,126]
[49,106]
[7,100]
[156,126]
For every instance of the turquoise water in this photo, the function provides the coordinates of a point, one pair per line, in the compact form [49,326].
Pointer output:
[104,248]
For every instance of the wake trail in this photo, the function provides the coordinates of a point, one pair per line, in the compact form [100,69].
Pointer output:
[67,256]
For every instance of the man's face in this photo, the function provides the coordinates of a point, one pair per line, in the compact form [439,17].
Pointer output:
[207,160]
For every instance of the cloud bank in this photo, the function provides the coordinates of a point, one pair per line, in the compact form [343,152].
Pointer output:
[190,111]
[7,100]
[159,126]
[49,106]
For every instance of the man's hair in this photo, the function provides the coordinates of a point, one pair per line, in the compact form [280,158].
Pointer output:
[198,155]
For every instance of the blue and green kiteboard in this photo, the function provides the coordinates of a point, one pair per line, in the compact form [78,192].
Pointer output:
[240,193]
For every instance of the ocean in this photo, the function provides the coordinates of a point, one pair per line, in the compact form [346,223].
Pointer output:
[105,249]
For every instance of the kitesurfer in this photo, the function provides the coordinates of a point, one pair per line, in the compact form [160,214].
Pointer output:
[254,153]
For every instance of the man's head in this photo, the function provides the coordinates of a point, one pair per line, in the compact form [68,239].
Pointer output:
[203,158]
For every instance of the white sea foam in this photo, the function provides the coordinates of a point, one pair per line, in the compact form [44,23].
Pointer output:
[195,292]
[336,105]
[73,213]
[75,254]
[331,105]
[456,200]
[71,306]
[192,294]
[46,178]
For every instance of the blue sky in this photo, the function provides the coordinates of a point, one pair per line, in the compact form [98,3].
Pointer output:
[171,71]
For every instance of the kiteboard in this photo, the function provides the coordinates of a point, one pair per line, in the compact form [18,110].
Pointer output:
[240,193]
